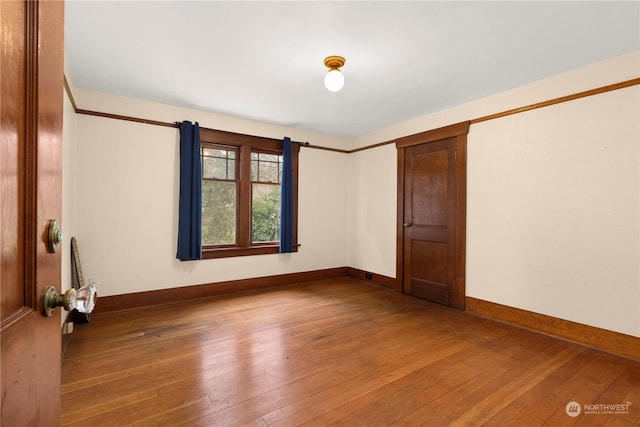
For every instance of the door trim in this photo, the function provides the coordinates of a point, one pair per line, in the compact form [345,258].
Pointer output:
[458,131]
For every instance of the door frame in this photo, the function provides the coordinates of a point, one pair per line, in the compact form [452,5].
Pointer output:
[458,131]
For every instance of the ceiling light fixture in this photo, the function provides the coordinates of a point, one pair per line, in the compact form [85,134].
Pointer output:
[334,80]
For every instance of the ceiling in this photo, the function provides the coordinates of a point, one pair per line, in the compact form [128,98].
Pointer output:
[264,60]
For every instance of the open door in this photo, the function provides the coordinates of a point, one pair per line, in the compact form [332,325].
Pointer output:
[432,214]
[31,105]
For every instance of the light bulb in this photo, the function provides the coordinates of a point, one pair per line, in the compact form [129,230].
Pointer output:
[334,80]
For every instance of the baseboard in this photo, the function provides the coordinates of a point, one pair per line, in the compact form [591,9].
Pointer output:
[186,293]
[613,342]
[376,279]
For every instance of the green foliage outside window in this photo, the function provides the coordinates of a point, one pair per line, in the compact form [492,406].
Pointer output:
[265,213]
[218,213]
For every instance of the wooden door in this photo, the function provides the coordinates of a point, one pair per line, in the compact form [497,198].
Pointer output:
[31,102]
[432,214]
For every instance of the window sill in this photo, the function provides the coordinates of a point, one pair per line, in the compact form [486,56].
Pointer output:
[212,253]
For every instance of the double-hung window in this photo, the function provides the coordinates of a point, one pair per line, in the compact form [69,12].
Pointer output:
[241,184]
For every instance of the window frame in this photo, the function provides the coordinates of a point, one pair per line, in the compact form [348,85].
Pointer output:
[247,144]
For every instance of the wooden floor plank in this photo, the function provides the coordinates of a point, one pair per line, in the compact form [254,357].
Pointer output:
[334,352]
[443,410]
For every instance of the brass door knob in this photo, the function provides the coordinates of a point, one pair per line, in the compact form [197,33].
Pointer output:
[83,300]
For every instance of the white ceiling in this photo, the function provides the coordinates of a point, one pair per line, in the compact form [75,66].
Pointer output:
[264,60]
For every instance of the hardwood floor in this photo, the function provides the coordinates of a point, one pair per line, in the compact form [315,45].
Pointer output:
[337,352]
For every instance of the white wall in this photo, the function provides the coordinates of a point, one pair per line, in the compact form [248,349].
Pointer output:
[553,210]
[127,188]
[372,210]
[553,195]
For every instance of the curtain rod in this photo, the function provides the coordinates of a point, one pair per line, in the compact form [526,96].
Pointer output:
[302,144]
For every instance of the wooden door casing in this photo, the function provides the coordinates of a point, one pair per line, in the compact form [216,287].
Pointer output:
[432,215]
[31,170]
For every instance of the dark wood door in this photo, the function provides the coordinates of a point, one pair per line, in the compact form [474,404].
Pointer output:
[31,102]
[432,213]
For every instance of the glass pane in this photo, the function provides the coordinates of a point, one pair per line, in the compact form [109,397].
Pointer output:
[211,152]
[231,169]
[213,167]
[218,213]
[268,172]
[265,213]
[254,169]
[218,163]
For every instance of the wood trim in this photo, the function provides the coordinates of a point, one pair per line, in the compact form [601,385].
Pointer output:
[186,293]
[461,222]
[235,251]
[399,222]
[614,342]
[243,197]
[125,118]
[216,136]
[28,163]
[433,135]
[376,279]
[368,147]
[319,147]
[559,100]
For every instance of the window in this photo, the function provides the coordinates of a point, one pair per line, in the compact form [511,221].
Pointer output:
[241,177]
[219,194]
[266,177]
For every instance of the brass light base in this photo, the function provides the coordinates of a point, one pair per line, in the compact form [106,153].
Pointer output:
[334,62]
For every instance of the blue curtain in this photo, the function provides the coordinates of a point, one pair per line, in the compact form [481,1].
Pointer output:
[190,205]
[286,199]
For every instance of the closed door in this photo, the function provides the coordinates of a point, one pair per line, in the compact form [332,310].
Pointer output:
[30,167]
[432,213]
